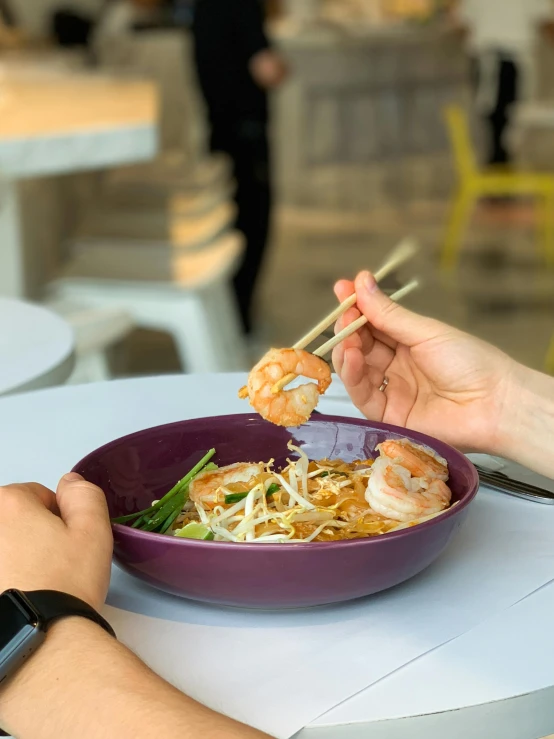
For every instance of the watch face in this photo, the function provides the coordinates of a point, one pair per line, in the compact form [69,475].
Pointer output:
[12,620]
[15,615]
[20,632]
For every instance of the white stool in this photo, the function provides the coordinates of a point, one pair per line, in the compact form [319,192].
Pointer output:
[185,294]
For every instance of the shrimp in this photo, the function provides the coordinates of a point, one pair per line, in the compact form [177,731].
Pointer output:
[205,486]
[420,461]
[286,407]
[394,493]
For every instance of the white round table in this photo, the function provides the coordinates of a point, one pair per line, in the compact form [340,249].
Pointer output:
[44,132]
[497,680]
[36,347]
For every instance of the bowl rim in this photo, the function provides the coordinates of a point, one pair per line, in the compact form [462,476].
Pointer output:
[420,437]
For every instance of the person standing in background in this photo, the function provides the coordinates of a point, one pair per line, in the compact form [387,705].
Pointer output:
[236,68]
[502,39]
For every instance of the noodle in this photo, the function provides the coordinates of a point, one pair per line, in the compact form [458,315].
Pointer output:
[325,500]
[321,500]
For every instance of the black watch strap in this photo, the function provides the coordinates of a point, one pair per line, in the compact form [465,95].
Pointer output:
[52,606]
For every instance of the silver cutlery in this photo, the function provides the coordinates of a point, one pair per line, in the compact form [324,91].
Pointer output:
[504,484]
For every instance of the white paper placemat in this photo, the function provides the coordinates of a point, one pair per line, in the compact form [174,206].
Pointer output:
[279,671]
[476,669]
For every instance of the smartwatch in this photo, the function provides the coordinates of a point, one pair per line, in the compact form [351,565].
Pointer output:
[25,619]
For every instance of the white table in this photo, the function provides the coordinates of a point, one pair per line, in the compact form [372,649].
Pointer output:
[56,122]
[36,347]
[495,681]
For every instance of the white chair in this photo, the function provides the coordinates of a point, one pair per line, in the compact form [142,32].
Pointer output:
[187,294]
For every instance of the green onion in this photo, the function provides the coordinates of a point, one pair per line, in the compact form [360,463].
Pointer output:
[138,523]
[171,502]
[234,498]
[170,521]
[160,517]
[130,516]
[237,497]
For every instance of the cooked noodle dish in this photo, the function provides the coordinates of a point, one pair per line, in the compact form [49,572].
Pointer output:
[304,501]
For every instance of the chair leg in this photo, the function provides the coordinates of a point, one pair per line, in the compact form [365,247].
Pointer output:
[209,339]
[190,328]
[223,305]
[206,330]
[91,367]
[458,219]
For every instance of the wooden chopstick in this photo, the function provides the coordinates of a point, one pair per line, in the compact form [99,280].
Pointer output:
[404,251]
[361,321]
[401,254]
[344,334]
[325,323]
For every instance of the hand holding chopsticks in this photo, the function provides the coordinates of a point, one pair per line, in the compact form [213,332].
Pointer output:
[399,256]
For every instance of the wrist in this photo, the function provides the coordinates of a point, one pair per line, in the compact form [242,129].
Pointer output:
[527,420]
[40,681]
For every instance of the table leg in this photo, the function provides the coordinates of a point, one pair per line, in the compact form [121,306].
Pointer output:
[12,279]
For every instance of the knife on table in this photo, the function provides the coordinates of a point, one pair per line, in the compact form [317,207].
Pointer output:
[502,483]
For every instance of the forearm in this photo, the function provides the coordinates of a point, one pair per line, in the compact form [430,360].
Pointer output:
[82,684]
[527,427]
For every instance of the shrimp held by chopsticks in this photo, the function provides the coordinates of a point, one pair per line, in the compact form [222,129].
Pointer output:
[286,407]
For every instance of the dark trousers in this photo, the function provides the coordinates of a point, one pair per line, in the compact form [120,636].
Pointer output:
[498,118]
[246,142]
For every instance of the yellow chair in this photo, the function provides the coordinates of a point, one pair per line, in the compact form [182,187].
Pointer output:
[475,183]
[550,358]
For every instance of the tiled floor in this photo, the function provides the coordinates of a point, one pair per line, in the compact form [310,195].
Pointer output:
[501,290]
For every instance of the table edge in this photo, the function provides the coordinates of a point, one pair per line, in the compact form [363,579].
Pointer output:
[525,716]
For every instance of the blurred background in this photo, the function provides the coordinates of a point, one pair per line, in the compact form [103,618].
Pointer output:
[184,181]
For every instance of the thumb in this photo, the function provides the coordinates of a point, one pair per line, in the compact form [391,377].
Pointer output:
[82,505]
[391,318]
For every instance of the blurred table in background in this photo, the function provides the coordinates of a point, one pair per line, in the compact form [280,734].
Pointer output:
[57,121]
[36,347]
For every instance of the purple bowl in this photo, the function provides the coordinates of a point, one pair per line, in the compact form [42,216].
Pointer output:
[139,468]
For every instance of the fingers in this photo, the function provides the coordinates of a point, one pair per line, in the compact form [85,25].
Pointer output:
[82,505]
[34,493]
[392,319]
[363,384]
[363,337]
[344,289]
[373,344]
[338,359]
